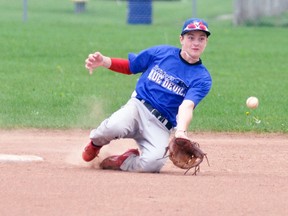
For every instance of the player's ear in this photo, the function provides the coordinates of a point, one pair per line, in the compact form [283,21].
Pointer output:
[181,38]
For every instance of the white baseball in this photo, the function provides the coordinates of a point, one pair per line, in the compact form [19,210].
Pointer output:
[252,102]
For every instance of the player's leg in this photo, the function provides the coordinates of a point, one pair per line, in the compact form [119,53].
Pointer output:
[152,139]
[121,124]
[152,146]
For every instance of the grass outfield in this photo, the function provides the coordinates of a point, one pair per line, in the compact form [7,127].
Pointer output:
[44,83]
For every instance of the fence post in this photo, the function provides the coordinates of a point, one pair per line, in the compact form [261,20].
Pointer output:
[25,9]
[194,8]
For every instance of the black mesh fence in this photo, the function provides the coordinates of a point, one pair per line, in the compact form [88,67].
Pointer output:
[139,11]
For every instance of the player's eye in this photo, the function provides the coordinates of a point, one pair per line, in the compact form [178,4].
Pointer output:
[190,37]
[202,39]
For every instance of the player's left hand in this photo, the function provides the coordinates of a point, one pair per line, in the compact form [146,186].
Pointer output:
[185,154]
[181,134]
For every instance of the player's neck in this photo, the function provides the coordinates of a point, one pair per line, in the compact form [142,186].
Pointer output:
[190,59]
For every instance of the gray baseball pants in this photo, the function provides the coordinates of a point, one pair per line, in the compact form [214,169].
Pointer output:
[135,121]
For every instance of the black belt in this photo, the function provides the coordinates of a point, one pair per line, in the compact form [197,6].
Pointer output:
[157,114]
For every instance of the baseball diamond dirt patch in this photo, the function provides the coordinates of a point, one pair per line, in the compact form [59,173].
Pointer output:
[247,176]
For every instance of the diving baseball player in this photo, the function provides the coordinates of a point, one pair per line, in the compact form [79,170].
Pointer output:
[173,81]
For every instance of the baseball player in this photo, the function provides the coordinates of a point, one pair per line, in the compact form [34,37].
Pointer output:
[172,84]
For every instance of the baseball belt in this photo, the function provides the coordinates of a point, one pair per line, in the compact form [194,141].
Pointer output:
[157,114]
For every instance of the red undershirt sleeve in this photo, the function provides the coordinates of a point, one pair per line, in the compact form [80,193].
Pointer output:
[120,65]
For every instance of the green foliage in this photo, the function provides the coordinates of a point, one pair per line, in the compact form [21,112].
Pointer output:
[44,83]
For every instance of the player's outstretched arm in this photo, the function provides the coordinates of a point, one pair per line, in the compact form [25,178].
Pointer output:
[115,64]
[185,115]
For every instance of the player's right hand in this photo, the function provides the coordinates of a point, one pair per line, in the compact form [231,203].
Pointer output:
[93,61]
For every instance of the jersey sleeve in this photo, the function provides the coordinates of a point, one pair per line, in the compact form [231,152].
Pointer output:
[198,91]
[140,62]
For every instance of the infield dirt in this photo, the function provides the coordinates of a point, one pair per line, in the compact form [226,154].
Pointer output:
[247,176]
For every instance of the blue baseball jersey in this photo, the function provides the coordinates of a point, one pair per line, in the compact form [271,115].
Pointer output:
[167,79]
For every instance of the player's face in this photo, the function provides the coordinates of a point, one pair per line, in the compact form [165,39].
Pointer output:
[193,44]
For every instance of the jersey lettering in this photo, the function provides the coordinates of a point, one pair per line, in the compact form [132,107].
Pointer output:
[156,75]
[171,83]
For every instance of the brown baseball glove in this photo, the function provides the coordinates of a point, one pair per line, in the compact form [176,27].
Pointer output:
[185,154]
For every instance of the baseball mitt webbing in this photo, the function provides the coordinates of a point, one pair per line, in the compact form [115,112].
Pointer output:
[185,154]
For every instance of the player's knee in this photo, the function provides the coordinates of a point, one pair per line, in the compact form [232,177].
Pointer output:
[152,165]
[116,129]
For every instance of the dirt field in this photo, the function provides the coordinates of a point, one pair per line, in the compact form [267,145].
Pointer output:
[247,176]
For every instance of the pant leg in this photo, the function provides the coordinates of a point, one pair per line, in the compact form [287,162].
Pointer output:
[121,124]
[150,160]
[135,121]
[152,141]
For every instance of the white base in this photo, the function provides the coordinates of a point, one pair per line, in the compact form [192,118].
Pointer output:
[19,158]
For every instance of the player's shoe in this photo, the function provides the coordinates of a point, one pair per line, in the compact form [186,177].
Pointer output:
[90,152]
[114,162]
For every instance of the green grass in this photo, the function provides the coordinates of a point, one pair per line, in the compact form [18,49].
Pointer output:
[44,83]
